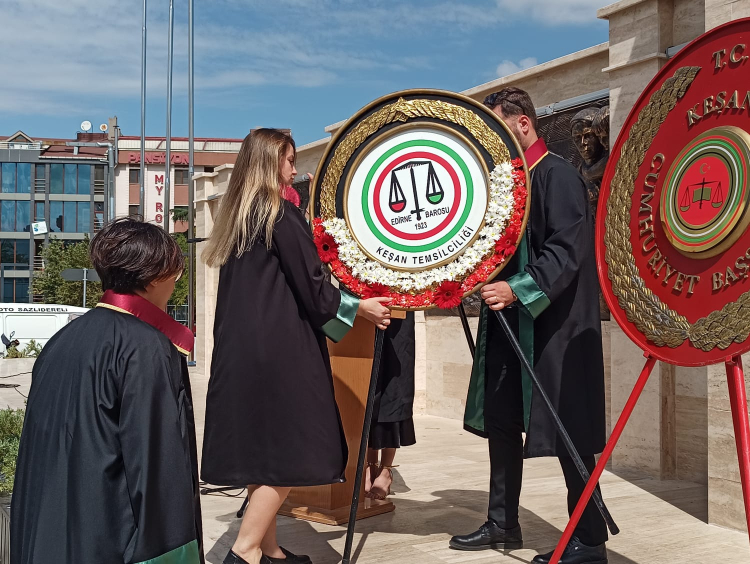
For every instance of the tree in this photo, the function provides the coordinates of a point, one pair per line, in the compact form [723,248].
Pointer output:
[58,256]
[179,214]
[181,288]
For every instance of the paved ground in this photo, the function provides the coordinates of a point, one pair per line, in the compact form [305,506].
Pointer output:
[441,490]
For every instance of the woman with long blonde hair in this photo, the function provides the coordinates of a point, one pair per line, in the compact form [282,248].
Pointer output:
[271,416]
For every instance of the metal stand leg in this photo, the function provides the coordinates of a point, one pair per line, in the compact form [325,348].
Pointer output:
[467,329]
[567,441]
[379,336]
[738,402]
[591,485]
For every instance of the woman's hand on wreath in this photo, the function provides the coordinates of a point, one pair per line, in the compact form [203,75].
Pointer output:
[375,310]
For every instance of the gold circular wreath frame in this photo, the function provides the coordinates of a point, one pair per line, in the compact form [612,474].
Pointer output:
[401,111]
[659,323]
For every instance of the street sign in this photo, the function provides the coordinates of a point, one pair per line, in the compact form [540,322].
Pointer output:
[84,275]
[80,274]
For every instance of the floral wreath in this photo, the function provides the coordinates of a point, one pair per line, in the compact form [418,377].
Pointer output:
[443,286]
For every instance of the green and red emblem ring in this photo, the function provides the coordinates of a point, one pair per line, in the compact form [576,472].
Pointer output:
[420,197]
[673,245]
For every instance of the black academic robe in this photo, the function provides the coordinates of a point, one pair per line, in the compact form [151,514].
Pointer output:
[271,414]
[107,468]
[556,315]
[394,395]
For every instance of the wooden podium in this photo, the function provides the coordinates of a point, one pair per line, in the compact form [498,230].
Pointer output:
[351,364]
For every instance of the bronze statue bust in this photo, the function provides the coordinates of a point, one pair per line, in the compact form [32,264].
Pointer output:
[590,132]
[601,127]
[589,146]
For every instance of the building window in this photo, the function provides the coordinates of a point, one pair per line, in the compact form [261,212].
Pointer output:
[39,211]
[16,178]
[84,217]
[70,185]
[14,251]
[98,216]
[181,176]
[39,172]
[98,179]
[14,215]
[84,179]
[8,177]
[70,217]
[15,290]
[56,179]
[71,178]
[134,210]
[135,175]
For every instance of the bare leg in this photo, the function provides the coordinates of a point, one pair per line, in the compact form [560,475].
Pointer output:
[269,545]
[371,469]
[381,487]
[259,516]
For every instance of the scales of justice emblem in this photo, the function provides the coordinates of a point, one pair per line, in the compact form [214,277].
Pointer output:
[705,193]
[434,192]
[418,198]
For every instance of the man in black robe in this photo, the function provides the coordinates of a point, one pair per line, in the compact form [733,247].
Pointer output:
[550,291]
[107,467]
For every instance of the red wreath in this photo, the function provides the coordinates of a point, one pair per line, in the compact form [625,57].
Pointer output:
[448,294]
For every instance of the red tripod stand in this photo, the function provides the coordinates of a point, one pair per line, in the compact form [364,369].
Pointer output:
[738,402]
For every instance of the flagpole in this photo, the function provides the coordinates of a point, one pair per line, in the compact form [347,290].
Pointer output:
[191,167]
[142,171]
[168,155]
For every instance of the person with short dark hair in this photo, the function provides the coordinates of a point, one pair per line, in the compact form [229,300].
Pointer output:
[550,293]
[107,466]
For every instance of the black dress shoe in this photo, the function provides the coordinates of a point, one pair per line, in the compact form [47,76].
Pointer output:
[489,536]
[577,553]
[232,558]
[291,558]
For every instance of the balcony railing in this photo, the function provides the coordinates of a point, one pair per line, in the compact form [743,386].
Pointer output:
[35,146]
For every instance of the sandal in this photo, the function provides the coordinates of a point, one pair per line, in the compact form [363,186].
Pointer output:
[372,466]
[390,471]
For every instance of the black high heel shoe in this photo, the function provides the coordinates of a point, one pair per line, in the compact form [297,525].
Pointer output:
[232,558]
[291,558]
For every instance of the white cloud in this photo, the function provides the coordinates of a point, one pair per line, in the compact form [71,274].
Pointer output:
[62,55]
[554,12]
[509,67]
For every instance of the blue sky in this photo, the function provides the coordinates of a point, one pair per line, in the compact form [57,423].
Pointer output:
[301,64]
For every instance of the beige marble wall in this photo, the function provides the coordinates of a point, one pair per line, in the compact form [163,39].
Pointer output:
[639,448]
[208,189]
[560,79]
[691,424]
[689,20]
[448,365]
[722,11]
[725,506]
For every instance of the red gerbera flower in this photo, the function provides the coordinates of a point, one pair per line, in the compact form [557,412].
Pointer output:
[448,295]
[517,162]
[328,250]
[512,231]
[505,246]
[376,291]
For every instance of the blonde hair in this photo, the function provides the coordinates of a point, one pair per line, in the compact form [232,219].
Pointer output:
[252,203]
